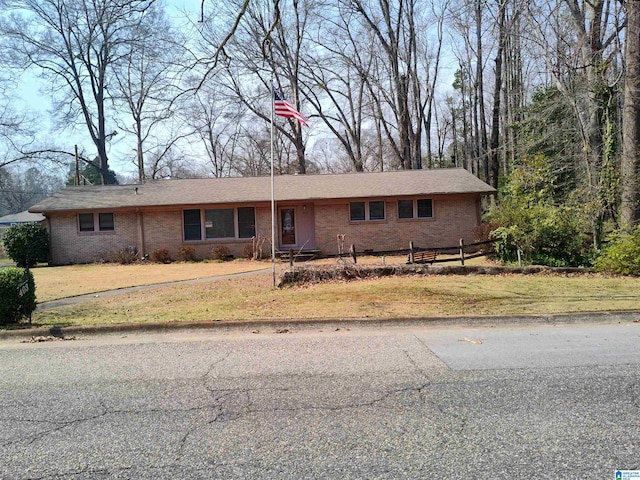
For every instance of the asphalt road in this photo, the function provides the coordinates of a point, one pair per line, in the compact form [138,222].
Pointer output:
[504,402]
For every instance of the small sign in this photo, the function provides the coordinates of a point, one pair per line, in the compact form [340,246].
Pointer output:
[23,288]
[627,475]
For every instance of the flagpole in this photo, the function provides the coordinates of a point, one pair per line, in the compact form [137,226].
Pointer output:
[273,201]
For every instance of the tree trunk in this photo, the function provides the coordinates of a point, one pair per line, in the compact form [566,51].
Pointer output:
[631,119]
[482,121]
[494,162]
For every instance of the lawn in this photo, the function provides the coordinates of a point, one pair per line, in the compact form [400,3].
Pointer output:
[247,298]
[60,282]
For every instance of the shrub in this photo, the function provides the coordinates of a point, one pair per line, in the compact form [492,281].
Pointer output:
[248,252]
[27,244]
[482,233]
[187,254]
[123,256]
[621,255]
[161,255]
[220,253]
[546,235]
[16,302]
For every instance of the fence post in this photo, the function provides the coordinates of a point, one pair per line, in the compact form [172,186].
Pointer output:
[411,252]
[519,258]
[291,257]
[462,251]
[352,250]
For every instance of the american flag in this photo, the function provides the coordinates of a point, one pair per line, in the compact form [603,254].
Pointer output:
[282,108]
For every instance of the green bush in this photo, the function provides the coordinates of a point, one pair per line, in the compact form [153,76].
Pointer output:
[16,302]
[27,244]
[621,255]
[548,228]
[546,234]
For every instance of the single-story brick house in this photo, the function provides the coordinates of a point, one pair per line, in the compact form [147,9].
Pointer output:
[380,211]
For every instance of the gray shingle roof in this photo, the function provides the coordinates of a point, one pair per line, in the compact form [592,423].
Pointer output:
[22,217]
[258,189]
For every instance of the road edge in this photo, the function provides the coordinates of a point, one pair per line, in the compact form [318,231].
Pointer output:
[285,325]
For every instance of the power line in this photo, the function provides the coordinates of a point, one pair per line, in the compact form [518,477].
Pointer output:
[32,192]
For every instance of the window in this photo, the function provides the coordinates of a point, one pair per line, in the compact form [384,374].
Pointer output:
[356,211]
[246,222]
[85,221]
[219,223]
[105,222]
[420,208]
[425,208]
[376,210]
[360,211]
[405,208]
[101,222]
[192,229]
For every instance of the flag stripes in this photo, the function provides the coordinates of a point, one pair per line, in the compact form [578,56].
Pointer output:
[282,108]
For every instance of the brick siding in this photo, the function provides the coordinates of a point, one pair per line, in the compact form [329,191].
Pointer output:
[455,217]
[69,245]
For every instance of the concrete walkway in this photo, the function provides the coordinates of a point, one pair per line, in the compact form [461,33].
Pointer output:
[43,306]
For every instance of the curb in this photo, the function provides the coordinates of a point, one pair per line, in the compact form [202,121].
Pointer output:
[281,325]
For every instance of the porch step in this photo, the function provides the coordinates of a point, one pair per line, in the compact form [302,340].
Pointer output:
[298,255]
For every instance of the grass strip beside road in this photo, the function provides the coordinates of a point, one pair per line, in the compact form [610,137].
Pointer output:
[254,298]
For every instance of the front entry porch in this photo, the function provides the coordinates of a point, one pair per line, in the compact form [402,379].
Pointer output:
[296,228]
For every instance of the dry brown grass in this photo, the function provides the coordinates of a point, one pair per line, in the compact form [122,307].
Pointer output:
[61,282]
[414,296]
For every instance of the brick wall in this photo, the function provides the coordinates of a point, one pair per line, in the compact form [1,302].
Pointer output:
[69,245]
[163,229]
[454,218]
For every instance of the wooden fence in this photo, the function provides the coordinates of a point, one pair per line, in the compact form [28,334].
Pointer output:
[462,250]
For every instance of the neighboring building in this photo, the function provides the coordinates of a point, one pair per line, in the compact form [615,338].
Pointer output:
[16,218]
[375,211]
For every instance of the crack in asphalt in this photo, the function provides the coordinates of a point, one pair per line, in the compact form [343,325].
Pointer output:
[60,425]
[459,421]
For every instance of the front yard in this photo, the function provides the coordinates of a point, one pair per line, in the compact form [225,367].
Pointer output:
[53,283]
[251,298]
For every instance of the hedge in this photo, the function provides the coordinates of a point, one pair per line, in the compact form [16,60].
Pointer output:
[27,244]
[16,300]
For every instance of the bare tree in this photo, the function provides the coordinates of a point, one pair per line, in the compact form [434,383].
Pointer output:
[394,82]
[147,79]
[581,56]
[217,124]
[22,188]
[339,67]
[267,45]
[75,45]
[494,161]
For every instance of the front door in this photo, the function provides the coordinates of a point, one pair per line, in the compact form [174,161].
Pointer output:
[288,226]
